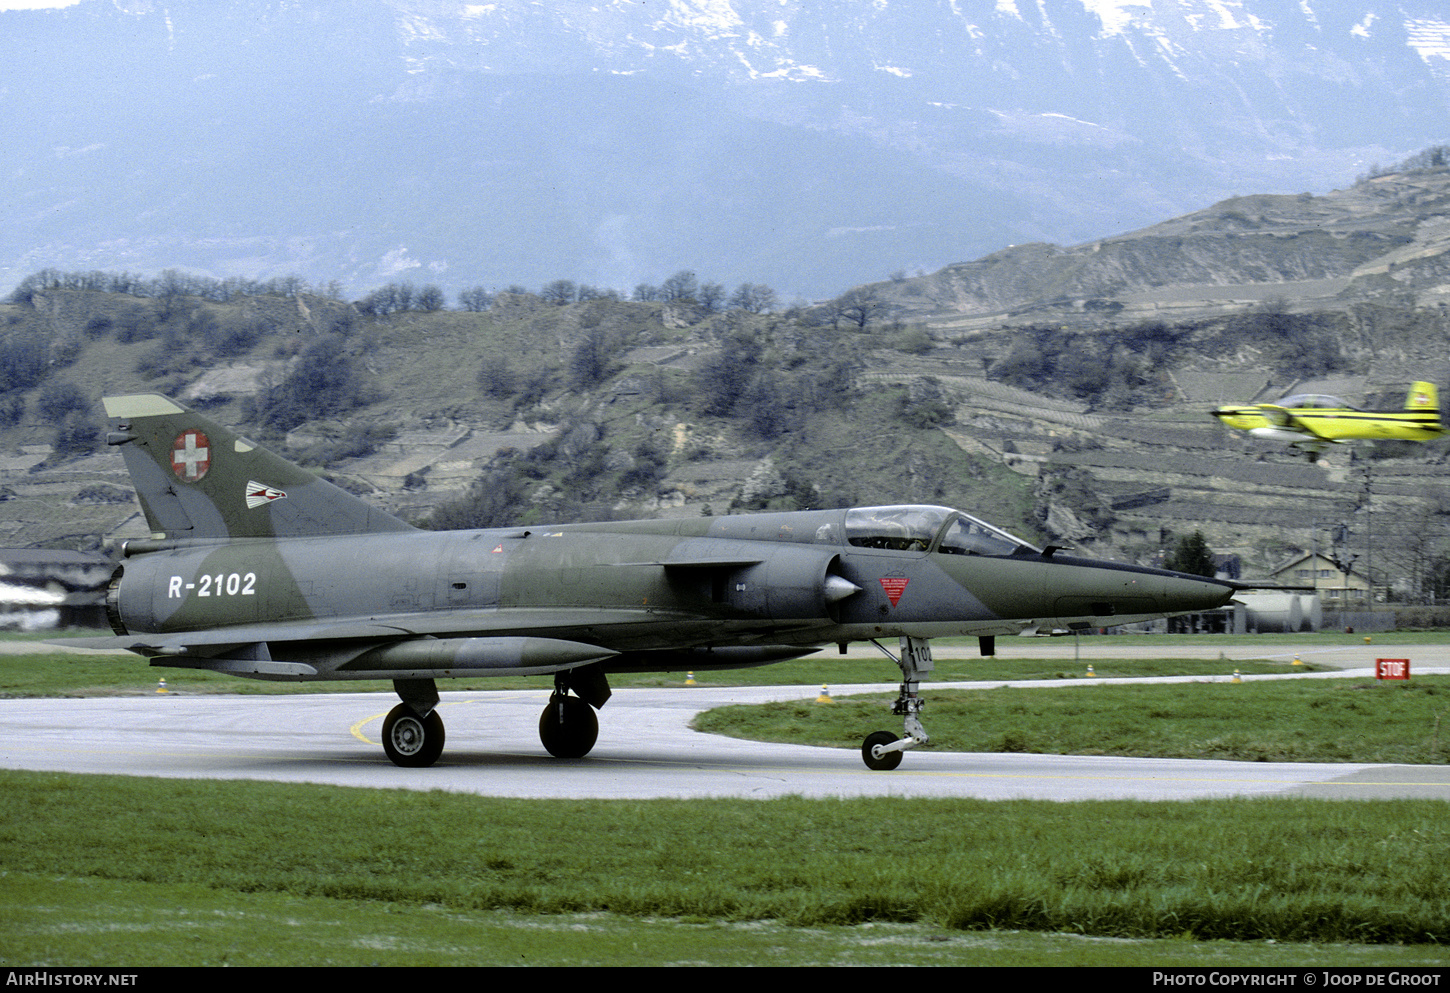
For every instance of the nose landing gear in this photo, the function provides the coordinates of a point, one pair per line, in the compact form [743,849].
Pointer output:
[881,751]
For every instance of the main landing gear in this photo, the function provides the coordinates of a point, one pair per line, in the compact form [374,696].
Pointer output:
[881,751]
[413,731]
[568,727]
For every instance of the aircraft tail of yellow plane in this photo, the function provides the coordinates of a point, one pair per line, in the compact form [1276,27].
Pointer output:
[1423,397]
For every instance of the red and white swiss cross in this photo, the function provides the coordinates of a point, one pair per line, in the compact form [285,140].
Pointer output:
[190,455]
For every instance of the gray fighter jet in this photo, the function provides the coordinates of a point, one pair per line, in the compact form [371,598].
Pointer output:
[257,568]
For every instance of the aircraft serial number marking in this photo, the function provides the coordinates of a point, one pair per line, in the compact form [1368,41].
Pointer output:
[221,584]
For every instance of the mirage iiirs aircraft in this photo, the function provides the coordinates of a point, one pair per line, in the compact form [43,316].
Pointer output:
[1311,422]
[257,568]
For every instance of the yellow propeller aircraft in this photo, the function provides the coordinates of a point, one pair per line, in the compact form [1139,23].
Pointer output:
[1310,422]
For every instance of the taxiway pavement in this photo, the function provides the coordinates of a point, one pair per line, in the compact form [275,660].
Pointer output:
[645,749]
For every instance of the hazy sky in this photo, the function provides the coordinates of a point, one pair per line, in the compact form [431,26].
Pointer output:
[513,142]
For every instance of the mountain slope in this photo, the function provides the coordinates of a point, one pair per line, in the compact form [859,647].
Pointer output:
[1384,240]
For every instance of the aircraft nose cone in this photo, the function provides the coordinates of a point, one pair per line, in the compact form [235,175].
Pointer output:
[1183,593]
[1101,589]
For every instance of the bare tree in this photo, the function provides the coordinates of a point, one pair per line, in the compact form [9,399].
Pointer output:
[496,377]
[170,287]
[753,298]
[711,296]
[475,299]
[405,295]
[560,292]
[860,305]
[380,302]
[680,286]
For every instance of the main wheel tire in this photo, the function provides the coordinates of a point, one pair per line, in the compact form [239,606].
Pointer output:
[568,727]
[887,760]
[411,741]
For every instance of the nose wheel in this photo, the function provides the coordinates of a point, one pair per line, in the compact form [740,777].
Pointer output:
[874,753]
[882,750]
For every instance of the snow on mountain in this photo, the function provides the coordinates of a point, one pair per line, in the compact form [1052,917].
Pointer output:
[807,144]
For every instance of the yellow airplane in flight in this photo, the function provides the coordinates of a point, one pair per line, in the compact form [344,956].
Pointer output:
[1310,422]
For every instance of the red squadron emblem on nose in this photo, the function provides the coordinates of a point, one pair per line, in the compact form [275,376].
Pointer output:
[190,455]
[894,587]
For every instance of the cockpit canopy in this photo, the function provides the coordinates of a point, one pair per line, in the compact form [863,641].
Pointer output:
[901,528]
[1315,401]
[921,528]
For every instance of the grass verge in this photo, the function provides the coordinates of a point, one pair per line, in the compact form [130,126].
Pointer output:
[1312,720]
[410,872]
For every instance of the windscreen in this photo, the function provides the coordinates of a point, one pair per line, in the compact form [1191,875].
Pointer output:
[969,536]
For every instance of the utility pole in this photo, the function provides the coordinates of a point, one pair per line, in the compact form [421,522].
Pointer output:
[1368,534]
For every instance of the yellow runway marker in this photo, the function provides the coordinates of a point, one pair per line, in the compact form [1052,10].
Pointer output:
[357,732]
[356,729]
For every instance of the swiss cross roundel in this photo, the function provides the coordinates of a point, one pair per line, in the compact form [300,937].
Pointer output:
[190,455]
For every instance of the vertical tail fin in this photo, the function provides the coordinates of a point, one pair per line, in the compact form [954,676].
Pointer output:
[1422,397]
[197,479]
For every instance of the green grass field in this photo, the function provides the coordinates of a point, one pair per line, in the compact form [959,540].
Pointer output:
[1318,720]
[113,870]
